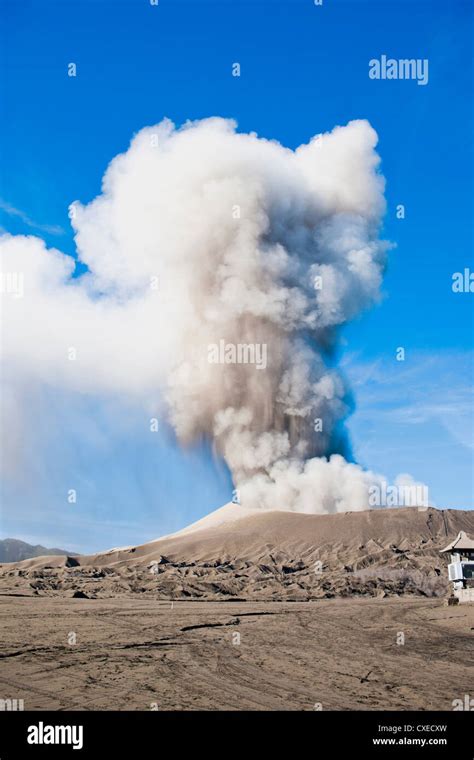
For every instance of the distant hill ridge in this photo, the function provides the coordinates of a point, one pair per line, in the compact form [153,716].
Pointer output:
[13,550]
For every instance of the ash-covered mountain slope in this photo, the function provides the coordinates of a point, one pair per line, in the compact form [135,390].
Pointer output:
[238,553]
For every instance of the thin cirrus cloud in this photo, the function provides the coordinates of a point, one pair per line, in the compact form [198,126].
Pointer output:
[48,229]
[419,411]
[425,387]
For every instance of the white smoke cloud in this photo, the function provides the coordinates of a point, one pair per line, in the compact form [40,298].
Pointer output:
[202,235]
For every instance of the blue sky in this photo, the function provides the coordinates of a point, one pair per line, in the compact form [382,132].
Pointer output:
[304,69]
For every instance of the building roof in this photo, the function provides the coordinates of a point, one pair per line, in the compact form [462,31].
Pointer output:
[462,542]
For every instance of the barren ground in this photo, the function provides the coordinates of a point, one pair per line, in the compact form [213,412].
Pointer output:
[139,654]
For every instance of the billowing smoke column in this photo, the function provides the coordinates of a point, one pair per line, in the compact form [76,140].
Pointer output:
[221,266]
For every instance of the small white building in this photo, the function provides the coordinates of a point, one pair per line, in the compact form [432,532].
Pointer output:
[461,567]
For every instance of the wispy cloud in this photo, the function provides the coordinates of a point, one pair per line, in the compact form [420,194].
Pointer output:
[49,229]
[416,416]
[425,388]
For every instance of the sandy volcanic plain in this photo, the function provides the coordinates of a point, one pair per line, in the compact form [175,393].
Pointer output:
[276,611]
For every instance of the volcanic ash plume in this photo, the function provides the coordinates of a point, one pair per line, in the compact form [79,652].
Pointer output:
[221,267]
